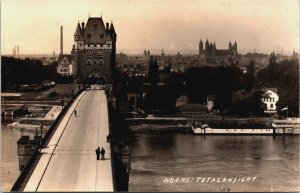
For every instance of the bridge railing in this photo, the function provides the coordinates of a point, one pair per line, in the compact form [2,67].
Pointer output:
[30,164]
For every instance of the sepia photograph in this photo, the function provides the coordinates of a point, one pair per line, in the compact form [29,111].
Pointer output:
[150,96]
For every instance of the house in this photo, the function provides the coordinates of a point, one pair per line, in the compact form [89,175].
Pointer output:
[182,100]
[270,98]
[65,65]
[210,102]
[192,110]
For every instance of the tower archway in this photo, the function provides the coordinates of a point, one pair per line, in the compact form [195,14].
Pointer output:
[96,78]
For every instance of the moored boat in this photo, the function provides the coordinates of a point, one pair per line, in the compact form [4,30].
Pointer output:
[287,126]
[205,129]
[199,128]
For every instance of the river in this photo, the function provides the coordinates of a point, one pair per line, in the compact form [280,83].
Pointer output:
[9,158]
[169,161]
[158,158]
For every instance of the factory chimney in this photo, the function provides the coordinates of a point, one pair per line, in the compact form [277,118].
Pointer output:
[61,40]
[18,55]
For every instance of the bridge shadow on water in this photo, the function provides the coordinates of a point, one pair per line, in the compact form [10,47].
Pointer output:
[121,140]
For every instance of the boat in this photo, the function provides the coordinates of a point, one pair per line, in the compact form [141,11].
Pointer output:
[199,128]
[202,129]
[287,126]
[18,124]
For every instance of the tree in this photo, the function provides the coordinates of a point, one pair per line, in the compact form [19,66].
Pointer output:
[245,103]
[153,72]
[248,79]
[285,77]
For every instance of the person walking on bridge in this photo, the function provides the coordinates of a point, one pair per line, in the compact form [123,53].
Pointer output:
[102,153]
[98,153]
[75,112]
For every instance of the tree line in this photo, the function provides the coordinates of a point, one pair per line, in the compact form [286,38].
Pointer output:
[28,71]
[236,92]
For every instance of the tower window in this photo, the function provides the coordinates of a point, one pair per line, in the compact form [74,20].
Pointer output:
[89,56]
[89,35]
[101,63]
[95,25]
[88,64]
[101,36]
[95,45]
[88,45]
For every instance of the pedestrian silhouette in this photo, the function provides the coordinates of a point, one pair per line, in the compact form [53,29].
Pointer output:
[98,153]
[102,153]
[107,138]
[75,113]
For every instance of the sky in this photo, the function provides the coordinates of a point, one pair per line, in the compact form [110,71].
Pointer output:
[172,25]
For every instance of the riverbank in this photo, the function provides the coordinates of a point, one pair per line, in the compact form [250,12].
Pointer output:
[156,123]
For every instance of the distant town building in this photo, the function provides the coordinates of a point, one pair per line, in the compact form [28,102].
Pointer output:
[16,53]
[65,65]
[212,56]
[94,51]
[146,55]
[192,110]
[182,100]
[48,60]
[210,102]
[270,98]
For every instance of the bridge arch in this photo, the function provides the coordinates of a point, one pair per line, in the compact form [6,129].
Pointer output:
[95,78]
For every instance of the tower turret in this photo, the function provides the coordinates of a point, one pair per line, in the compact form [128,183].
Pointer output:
[77,32]
[235,46]
[206,45]
[162,52]
[200,47]
[230,46]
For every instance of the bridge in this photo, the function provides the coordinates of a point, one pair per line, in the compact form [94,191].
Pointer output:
[67,162]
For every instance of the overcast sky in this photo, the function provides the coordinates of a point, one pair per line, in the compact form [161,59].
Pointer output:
[174,25]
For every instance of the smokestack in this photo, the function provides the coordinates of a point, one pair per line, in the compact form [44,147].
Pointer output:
[14,52]
[18,52]
[61,40]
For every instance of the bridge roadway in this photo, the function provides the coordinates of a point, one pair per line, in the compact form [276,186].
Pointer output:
[69,162]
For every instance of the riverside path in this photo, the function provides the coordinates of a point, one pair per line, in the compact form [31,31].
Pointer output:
[68,163]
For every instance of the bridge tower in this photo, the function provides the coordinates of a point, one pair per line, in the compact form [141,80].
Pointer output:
[94,51]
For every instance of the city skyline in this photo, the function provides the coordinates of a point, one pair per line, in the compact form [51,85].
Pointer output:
[154,25]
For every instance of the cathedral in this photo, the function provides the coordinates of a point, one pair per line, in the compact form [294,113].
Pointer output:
[212,56]
[94,50]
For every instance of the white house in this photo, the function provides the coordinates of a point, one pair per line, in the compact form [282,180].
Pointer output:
[210,102]
[270,98]
[65,65]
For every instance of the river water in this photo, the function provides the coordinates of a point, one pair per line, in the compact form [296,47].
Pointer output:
[9,158]
[169,161]
[158,158]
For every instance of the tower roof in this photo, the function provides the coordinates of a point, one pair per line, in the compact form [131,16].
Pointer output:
[94,31]
[112,28]
[78,30]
